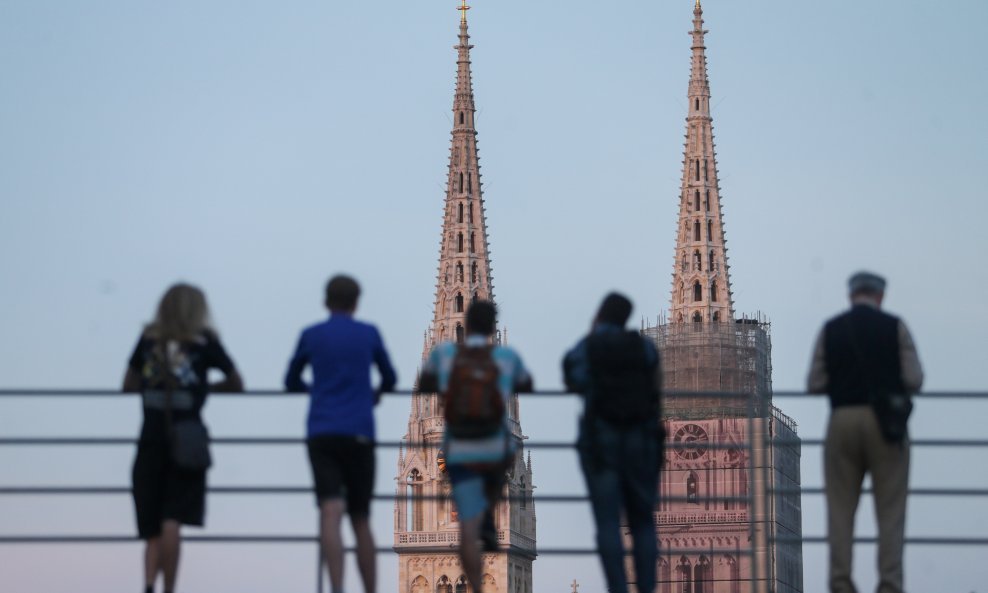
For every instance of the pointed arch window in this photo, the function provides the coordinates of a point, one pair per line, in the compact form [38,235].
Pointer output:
[473,272]
[697,292]
[469,182]
[696,104]
[459,272]
[696,231]
[459,213]
[697,169]
[703,576]
[459,333]
[413,509]
[696,200]
[713,291]
[706,201]
[523,493]
[710,230]
[704,169]
[444,586]
[462,119]
[685,570]
[470,212]
[461,585]
[474,298]
[459,242]
[458,303]
[692,489]
[697,264]
[472,243]
[697,317]
[717,318]
[710,262]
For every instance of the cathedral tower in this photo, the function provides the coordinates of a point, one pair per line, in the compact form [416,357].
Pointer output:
[731,477]
[426,527]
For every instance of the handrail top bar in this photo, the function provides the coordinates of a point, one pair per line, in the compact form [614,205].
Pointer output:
[56,391]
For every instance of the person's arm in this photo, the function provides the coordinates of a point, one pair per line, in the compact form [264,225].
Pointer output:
[232,382]
[523,379]
[912,372]
[575,372]
[132,378]
[429,376]
[818,381]
[388,375]
[293,377]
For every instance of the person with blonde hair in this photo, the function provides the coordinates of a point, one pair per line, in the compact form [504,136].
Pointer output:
[170,367]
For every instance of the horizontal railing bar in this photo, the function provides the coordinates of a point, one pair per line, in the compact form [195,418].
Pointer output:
[973,492]
[52,391]
[916,541]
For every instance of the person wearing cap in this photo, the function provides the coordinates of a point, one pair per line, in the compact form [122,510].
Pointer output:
[860,353]
[620,438]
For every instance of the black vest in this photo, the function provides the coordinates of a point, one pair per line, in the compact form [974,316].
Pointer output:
[862,353]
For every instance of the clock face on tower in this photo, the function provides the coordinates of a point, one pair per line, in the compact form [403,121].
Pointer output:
[692,441]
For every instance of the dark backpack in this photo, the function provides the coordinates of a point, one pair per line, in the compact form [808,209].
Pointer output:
[474,407]
[622,379]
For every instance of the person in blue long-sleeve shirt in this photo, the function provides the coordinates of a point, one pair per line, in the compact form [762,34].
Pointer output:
[340,424]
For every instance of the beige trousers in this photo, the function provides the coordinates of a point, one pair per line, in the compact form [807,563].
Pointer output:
[854,447]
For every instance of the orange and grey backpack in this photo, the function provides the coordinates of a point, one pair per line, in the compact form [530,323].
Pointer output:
[474,407]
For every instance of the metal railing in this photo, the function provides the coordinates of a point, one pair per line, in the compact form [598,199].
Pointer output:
[759,519]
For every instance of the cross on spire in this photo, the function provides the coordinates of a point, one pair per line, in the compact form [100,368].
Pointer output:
[463,8]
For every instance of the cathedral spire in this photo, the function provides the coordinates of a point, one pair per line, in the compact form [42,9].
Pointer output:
[701,289]
[464,260]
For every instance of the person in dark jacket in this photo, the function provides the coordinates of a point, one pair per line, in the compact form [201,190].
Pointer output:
[860,355]
[620,438]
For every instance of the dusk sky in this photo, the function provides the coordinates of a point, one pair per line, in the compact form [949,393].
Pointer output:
[256,148]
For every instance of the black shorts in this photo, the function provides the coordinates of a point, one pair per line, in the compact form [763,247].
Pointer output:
[162,491]
[343,467]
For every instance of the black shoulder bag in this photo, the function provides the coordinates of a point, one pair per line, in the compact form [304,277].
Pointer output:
[188,438]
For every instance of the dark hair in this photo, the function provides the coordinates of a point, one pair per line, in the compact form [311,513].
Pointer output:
[481,318]
[342,293]
[615,309]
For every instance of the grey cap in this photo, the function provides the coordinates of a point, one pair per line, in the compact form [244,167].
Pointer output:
[866,282]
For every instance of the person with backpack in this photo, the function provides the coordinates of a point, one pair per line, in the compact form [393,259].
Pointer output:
[620,440]
[475,380]
[340,427]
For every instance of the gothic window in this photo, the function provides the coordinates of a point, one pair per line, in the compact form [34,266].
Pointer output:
[696,231]
[459,303]
[703,576]
[697,318]
[471,242]
[685,573]
[523,493]
[716,315]
[444,586]
[459,272]
[470,212]
[706,202]
[459,242]
[460,186]
[710,261]
[459,333]
[692,490]
[461,585]
[473,272]
[697,264]
[446,276]
[475,298]
[696,104]
[704,169]
[710,231]
[697,169]
[459,213]
[461,117]
[696,200]
[697,292]
[469,182]
[713,291]
[665,576]
[413,501]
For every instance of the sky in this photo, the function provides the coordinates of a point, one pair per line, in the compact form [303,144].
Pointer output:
[256,148]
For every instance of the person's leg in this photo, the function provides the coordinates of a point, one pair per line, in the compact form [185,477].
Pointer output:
[366,554]
[330,516]
[890,482]
[470,551]
[844,471]
[493,488]
[640,486]
[170,547]
[605,502]
[152,561]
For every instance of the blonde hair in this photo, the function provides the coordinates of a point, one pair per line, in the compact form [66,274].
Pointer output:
[182,315]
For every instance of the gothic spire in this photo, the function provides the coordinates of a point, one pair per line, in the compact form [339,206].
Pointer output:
[701,288]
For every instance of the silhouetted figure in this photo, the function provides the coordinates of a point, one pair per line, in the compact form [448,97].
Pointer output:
[865,359]
[477,442]
[169,367]
[340,425]
[620,440]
